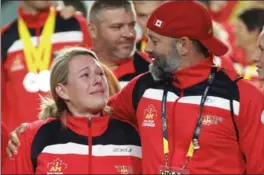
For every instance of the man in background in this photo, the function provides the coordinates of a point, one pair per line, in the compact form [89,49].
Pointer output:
[258,57]
[27,47]
[248,28]
[114,38]
[143,10]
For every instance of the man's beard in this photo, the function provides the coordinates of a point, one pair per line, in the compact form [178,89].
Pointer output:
[162,68]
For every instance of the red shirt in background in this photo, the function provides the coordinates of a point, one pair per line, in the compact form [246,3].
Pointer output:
[224,14]
[18,103]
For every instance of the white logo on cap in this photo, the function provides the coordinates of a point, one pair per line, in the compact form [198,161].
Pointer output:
[158,23]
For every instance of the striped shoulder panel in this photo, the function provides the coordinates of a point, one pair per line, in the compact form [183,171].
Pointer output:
[222,91]
[143,83]
[46,135]
[65,31]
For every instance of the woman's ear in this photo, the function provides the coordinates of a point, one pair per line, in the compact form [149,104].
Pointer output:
[62,92]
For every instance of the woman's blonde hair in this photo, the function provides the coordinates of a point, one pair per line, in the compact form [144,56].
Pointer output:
[113,83]
[56,106]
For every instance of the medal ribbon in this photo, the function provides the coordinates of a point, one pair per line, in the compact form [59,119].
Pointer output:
[38,58]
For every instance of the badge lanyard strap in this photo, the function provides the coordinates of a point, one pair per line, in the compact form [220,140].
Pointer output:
[194,145]
[164,125]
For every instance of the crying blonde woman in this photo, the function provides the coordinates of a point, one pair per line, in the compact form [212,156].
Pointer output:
[77,133]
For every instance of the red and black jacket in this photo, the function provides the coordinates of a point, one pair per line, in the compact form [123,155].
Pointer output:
[232,128]
[137,65]
[102,145]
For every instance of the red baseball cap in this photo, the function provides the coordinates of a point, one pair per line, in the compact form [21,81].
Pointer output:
[186,18]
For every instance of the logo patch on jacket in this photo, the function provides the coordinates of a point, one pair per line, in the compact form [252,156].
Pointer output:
[211,120]
[123,169]
[150,113]
[17,64]
[56,166]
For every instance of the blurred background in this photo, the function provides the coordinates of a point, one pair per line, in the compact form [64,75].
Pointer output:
[236,23]
[9,8]
[222,11]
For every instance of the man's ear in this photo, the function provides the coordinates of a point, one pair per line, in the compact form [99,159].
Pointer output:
[184,45]
[62,92]
[92,30]
[256,33]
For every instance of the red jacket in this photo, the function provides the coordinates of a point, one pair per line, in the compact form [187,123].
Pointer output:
[135,66]
[18,104]
[99,146]
[220,152]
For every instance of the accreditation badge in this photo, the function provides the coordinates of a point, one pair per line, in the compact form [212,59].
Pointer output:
[172,171]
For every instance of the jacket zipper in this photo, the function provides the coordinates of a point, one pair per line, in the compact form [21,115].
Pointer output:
[90,146]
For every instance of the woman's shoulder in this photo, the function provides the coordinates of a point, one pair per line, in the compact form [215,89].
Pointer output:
[35,125]
[124,124]
[33,128]
[126,127]
[125,132]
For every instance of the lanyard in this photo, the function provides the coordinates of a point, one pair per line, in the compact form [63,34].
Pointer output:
[38,59]
[143,45]
[194,145]
[165,126]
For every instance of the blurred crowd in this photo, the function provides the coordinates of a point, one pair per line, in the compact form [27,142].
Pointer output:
[119,43]
[236,23]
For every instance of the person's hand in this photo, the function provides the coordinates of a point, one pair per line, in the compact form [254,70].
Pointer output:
[14,142]
[68,11]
